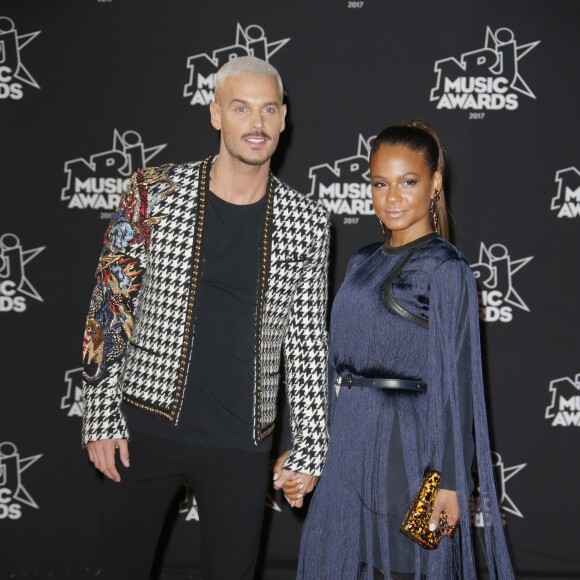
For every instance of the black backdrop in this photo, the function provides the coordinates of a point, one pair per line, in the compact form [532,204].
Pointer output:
[92,89]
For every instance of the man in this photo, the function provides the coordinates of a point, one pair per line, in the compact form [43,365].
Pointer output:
[210,270]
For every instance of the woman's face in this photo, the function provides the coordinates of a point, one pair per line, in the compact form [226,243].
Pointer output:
[402,187]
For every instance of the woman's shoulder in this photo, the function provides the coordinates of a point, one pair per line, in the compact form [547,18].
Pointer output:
[439,251]
[447,264]
[366,251]
[362,254]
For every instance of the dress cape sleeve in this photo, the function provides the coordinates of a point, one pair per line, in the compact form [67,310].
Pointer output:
[457,416]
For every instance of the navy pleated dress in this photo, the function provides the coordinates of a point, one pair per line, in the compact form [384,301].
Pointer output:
[409,312]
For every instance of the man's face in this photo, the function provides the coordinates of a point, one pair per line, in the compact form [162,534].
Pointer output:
[250,115]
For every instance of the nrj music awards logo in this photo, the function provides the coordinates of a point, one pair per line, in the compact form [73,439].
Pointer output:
[494,273]
[484,79]
[15,287]
[13,73]
[343,187]
[13,494]
[503,474]
[97,183]
[72,402]
[564,408]
[567,200]
[250,41]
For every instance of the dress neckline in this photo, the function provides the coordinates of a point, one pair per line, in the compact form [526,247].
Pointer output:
[399,249]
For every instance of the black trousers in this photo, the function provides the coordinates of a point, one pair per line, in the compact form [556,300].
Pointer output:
[230,487]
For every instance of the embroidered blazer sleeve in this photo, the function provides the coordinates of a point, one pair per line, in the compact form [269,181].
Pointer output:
[110,320]
[306,353]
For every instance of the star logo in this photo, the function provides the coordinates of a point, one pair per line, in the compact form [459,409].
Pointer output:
[495,271]
[503,474]
[250,41]
[99,181]
[343,186]
[13,259]
[504,37]
[127,155]
[487,78]
[347,169]
[11,468]
[254,37]
[11,43]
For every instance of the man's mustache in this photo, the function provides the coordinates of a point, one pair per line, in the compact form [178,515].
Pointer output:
[257,134]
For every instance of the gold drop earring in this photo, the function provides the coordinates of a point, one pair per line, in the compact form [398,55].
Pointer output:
[383,229]
[433,212]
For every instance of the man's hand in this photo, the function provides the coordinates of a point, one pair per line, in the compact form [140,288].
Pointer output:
[102,456]
[294,485]
[445,501]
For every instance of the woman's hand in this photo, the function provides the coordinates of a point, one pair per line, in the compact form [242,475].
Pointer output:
[445,501]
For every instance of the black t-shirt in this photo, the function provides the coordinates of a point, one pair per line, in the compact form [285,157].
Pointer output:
[217,409]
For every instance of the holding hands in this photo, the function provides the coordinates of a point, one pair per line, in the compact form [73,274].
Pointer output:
[294,485]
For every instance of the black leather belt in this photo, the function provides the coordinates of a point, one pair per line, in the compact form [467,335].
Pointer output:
[399,384]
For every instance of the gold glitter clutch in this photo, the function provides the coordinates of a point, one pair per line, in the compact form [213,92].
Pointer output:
[416,522]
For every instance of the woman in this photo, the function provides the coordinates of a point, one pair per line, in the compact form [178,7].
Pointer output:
[408,390]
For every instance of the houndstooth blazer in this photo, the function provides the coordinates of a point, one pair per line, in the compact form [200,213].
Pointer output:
[141,321]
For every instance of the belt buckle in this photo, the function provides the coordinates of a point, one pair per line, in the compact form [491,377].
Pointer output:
[344,381]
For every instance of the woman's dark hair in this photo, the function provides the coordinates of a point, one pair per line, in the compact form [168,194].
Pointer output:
[419,136]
